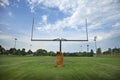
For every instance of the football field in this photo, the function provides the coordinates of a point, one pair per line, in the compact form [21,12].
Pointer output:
[44,68]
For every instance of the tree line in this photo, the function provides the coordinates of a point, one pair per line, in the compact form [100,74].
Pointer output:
[109,52]
[23,52]
[43,52]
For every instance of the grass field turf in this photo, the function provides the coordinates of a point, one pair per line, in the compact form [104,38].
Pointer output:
[44,68]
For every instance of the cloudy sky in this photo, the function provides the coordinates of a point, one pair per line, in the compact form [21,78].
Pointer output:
[60,19]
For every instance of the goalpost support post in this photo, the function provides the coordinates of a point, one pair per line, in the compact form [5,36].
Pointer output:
[59,59]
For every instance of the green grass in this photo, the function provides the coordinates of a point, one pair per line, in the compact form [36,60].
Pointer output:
[44,68]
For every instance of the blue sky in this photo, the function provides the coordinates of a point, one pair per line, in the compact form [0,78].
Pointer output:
[60,19]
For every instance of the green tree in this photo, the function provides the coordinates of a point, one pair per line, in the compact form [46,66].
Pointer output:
[91,52]
[84,53]
[116,51]
[19,52]
[2,50]
[99,51]
[66,54]
[29,52]
[12,51]
[51,53]
[23,52]
[109,51]
[7,52]
[41,52]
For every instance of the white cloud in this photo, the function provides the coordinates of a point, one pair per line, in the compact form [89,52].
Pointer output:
[18,0]
[5,37]
[95,25]
[10,14]
[4,3]
[44,18]
[64,5]
[79,10]
[117,25]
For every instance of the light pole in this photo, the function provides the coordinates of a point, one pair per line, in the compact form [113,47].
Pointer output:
[15,42]
[95,38]
[87,48]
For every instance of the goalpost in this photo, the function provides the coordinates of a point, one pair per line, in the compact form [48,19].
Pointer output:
[60,40]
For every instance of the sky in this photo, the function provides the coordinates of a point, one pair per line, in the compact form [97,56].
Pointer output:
[60,19]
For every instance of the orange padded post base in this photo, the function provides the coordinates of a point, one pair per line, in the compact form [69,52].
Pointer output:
[59,59]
